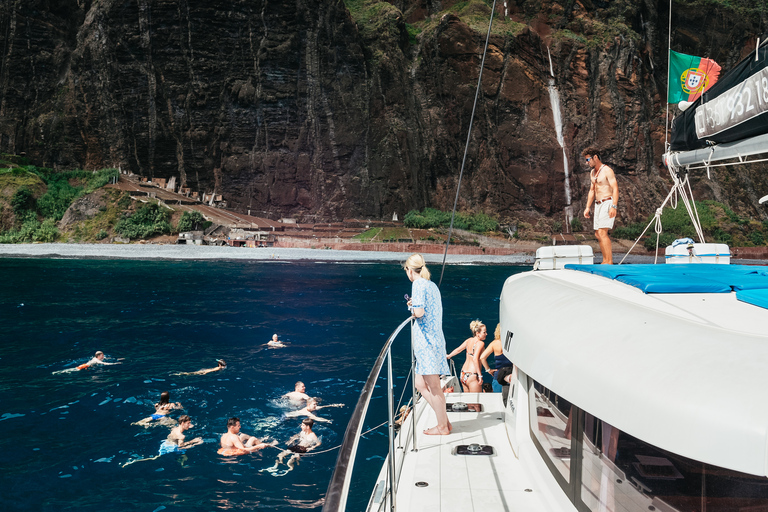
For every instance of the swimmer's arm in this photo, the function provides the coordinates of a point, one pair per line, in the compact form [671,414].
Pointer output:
[330,405]
[189,444]
[318,418]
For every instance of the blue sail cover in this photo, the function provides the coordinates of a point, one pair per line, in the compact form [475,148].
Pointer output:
[750,282]
[735,108]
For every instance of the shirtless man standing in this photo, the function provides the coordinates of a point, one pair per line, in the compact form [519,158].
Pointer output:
[604,191]
[298,394]
[235,443]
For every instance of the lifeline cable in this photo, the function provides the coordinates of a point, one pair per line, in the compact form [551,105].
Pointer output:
[466,147]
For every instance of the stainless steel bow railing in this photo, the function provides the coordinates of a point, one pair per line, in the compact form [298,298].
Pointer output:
[338,488]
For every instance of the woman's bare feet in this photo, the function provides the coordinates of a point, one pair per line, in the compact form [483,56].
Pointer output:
[437,431]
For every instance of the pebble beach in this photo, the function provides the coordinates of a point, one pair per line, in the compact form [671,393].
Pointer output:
[218,253]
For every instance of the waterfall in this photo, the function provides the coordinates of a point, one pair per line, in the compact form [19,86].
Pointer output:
[554,98]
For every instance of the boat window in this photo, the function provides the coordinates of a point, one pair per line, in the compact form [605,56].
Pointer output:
[620,472]
[551,426]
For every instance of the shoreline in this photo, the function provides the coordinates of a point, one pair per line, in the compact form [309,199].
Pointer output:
[167,252]
[225,253]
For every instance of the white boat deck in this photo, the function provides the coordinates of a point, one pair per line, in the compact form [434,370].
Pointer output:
[464,483]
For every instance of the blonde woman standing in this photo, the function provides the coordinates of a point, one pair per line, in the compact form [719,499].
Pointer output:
[428,340]
[499,358]
[471,378]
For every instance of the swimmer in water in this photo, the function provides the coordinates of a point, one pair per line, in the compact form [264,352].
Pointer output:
[98,358]
[298,394]
[302,442]
[274,342]
[235,443]
[310,409]
[175,442]
[221,366]
[162,409]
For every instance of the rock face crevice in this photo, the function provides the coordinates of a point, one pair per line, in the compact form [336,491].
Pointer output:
[307,109]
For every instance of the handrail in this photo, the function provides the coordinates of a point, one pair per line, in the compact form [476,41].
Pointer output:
[338,488]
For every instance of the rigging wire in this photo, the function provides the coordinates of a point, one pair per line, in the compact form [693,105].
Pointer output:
[669,70]
[466,147]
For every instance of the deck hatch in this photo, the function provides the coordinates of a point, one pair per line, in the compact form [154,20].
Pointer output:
[474,449]
[463,407]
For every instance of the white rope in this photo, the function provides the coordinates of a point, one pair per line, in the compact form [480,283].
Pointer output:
[678,187]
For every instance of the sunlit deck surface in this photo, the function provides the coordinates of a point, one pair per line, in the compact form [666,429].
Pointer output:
[464,483]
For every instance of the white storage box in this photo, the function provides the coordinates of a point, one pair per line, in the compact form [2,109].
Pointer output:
[554,257]
[698,253]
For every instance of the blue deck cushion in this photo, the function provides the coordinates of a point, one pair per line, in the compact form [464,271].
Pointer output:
[754,297]
[683,278]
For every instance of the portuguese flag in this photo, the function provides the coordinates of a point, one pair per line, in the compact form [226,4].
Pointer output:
[690,76]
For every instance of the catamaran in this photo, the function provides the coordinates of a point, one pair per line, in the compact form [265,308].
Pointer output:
[636,387]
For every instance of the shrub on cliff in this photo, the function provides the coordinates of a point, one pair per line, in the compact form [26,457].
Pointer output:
[190,221]
[148,220]
[32,230]
[432,218]
[65,187]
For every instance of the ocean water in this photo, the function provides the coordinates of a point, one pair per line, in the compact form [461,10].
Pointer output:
[65,437]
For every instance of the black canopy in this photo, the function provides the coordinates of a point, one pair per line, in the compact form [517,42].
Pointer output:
[733,109]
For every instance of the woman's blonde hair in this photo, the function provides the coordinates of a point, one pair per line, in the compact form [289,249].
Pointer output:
[475,326]
[416,263]
[497,332]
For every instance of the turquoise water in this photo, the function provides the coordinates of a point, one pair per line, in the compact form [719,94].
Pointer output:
[64,437]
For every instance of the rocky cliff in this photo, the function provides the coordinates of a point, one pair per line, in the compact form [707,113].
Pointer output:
[323,109]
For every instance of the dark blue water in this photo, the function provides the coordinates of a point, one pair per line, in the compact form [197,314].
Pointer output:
[64,437]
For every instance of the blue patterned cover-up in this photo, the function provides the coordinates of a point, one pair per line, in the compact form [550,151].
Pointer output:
[428,339]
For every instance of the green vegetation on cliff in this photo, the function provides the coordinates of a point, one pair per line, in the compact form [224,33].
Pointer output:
[33,199]
[432,218]
[148,220]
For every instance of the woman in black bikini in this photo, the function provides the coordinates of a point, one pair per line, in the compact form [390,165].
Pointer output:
[471,378]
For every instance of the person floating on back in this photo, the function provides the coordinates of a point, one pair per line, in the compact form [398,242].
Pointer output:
[604,190]
[310,409]
[221,366]
[235,443]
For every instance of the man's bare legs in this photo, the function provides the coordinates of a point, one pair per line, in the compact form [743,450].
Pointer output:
[430,389]
[605,245]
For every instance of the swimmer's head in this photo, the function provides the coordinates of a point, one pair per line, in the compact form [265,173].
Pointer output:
[185,419]
[165,397]
[221,362]
[231,422]
[300,387]
[274,337]
[309,422]
[311,404]
[99,355]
